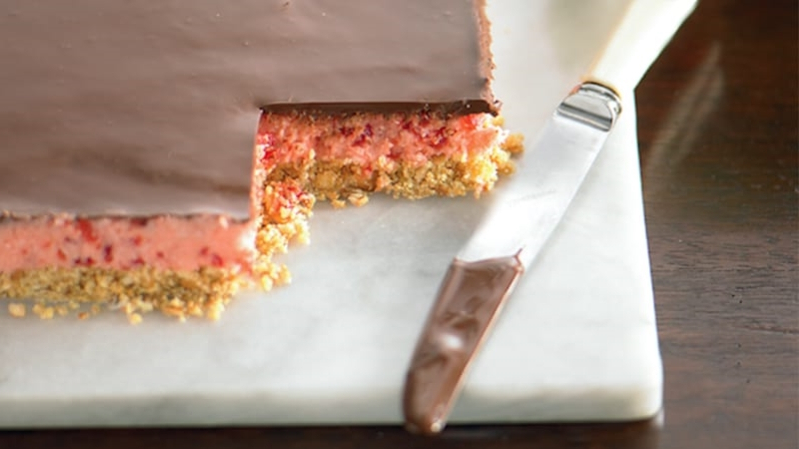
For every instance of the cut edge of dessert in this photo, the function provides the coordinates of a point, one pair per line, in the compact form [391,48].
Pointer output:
[431,127]
[300,156]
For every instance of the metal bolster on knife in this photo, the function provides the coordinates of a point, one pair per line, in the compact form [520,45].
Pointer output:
[592,104]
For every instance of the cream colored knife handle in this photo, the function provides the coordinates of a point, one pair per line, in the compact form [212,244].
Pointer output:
[643,32]
[471,296]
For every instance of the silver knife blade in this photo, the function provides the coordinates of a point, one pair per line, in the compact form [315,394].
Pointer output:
[519,222]
[524,212]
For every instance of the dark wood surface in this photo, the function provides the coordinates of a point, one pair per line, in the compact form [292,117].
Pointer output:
[718,125]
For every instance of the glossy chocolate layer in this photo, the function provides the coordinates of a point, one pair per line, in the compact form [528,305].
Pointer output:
[470,297]
[150,107]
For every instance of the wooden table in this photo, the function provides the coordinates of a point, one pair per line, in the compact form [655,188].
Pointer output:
[718,131]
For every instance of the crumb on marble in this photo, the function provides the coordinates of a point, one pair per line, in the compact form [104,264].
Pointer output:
[358,198]
[43,311]
[17,310]
[514,143]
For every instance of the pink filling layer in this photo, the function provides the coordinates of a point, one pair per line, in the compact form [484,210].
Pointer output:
[363,139]
[177,243]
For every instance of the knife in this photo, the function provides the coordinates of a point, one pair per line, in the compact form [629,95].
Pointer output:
[524,213]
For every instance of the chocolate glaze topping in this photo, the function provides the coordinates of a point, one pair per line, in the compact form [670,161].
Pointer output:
[470,297]
[150,107]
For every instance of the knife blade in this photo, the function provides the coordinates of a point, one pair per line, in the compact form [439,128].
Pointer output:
[525,212]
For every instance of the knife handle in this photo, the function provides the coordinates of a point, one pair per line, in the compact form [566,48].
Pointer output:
[644,30]
[470,297]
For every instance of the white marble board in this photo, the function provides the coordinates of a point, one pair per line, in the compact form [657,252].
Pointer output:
[577,340]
